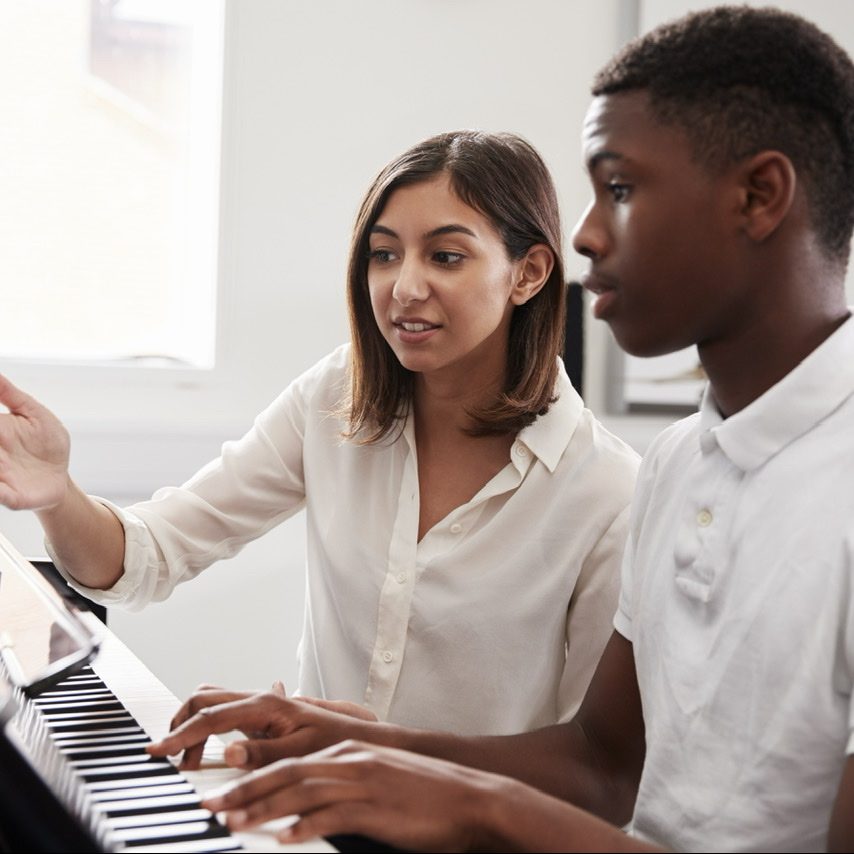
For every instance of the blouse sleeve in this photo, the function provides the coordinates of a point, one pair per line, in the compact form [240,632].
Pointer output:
[256,483]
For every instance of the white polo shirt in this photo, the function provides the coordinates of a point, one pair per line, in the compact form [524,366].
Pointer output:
[738,597]
[492,623]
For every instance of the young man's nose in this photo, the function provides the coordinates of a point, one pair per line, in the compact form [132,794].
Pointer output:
[588,236]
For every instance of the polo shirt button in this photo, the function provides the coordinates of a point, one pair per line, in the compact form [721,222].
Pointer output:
[388,657]
[456,528]
[704,518]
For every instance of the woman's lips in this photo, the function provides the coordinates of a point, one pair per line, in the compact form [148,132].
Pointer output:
[414,330]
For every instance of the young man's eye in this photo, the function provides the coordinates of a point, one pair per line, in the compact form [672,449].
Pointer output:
[381,256]
[448,259]
[619,192]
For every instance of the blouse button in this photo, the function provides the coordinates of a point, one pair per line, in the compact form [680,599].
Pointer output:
[704,518]
[456,528]
[387,657]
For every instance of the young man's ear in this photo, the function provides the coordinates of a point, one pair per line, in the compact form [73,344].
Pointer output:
[768,183]
[534,270]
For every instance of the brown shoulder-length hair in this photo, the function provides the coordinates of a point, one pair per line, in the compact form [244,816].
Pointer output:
[504,178]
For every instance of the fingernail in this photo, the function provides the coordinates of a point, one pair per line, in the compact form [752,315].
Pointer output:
[236,754]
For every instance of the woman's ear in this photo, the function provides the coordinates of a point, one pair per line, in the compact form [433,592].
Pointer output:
[768,182]
[533,272]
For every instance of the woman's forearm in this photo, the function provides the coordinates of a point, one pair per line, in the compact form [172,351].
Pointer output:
[87,538]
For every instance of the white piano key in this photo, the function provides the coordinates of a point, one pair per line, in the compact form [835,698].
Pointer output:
[165,801]
[182,788]
[93,716]
[51,696]
[124,769]
[154,780]
[198,846]
[63,735]
[115,740]
[83,765]
[160,818]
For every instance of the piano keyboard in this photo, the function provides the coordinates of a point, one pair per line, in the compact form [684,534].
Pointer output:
[91,750]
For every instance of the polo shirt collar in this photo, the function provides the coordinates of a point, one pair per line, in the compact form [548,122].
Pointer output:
[548,437]
[792,407]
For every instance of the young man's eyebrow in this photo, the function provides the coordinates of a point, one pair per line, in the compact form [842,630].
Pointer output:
[453,228]
[601,156]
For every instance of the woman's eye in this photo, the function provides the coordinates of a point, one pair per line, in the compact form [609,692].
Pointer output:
[448,259]
[619,192]
[381,256]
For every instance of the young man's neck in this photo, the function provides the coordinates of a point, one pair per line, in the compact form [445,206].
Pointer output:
[742,369]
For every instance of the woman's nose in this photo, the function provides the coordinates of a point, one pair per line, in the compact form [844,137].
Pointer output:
[411,284]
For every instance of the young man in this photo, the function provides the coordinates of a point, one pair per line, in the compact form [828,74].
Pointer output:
[721,153]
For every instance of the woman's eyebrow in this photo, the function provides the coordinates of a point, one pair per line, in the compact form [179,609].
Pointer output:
[449,229]
[442,229]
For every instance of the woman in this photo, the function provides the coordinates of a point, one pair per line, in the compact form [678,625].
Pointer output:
[465,513]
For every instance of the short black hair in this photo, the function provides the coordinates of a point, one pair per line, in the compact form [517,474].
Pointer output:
[740,80]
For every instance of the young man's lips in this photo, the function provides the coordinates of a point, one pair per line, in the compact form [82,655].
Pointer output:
[605,292]
[597,284]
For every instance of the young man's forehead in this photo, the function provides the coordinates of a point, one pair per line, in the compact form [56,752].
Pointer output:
[623,126]
[616,112]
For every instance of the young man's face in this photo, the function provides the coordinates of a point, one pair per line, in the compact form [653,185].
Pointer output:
[659,232]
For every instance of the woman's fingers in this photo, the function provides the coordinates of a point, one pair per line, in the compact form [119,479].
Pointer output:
[15,400]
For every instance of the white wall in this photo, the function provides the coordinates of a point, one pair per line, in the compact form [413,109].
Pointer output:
[319,94]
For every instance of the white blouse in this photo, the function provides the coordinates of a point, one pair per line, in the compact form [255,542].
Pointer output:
[491,624]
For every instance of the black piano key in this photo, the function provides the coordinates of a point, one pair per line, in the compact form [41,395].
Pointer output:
[212,830]
[150,806]
[69,740]
[140,801]
[127,772]
[77,753]
[89,725]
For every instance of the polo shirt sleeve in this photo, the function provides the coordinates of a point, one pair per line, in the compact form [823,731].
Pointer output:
[623,617]
[848,643]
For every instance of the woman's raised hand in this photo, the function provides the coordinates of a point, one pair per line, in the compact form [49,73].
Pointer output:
[34,451]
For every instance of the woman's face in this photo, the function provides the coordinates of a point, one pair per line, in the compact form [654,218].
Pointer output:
[441,284]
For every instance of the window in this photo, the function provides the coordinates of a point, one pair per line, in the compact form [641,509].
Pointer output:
[109,159]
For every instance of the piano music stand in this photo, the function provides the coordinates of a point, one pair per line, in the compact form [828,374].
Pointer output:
[51,573]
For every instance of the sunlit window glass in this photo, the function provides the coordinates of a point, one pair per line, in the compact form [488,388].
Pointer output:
[108,179]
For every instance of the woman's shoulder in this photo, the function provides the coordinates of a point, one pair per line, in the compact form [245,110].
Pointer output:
[319,388]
